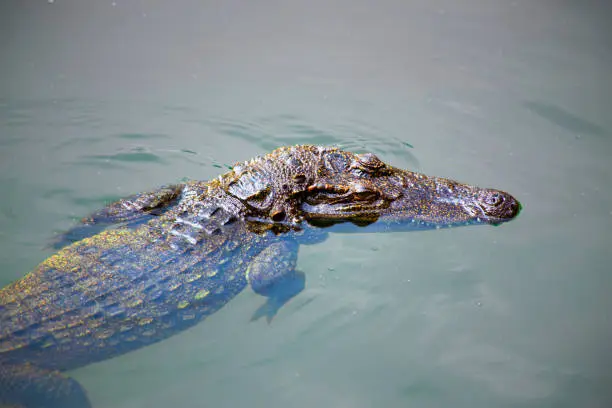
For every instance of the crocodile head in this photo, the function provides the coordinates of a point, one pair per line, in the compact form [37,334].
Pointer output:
[361,188]
[326,186]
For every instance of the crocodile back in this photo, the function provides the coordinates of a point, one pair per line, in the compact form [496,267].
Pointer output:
[124,288]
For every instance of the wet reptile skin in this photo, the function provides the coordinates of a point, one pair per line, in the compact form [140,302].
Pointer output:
[151,265]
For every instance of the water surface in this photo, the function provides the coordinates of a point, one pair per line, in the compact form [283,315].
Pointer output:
[103,99]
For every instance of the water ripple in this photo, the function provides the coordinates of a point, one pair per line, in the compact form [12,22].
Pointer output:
[270,132]
[135,156]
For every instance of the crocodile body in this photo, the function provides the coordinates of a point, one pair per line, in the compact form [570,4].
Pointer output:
[152,265]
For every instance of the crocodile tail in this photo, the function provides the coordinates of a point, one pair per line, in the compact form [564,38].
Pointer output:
[25,385]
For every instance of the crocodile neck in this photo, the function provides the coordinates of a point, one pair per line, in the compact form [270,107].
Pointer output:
[202,210]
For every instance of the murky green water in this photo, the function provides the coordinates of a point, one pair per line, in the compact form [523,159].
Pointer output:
[100,100]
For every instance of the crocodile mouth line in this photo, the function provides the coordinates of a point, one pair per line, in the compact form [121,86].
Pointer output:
[339,210]
[474,209]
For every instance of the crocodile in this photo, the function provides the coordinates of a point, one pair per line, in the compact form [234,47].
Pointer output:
[151,265]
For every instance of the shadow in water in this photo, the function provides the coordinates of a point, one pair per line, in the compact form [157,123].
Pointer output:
[564,119]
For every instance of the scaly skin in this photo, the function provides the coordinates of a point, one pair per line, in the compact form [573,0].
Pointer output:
[170,257]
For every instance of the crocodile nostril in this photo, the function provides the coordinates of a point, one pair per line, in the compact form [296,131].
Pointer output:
[514,207]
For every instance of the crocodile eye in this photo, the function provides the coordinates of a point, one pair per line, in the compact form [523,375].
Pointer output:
[368,163]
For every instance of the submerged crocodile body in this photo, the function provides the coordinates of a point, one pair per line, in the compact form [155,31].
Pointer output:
[151,265]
